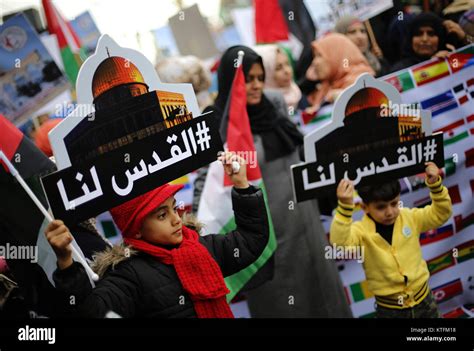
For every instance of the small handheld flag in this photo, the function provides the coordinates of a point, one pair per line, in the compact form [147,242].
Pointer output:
[48,216]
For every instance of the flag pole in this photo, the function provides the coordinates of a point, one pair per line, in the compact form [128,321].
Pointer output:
[373,40]
[240,59]
[48,216]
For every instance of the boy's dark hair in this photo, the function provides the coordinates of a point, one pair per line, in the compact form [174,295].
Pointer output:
[379,192]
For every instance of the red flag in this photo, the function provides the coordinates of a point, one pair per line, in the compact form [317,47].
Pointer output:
[68,41]
[239,134]
[270,25]
[11,138]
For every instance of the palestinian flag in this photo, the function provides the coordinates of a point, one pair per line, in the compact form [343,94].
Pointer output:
[402,81]
[437,234]
[323,114]
[215,207]
[68,41]
[441,262]
[430,72]
[270,24]
[461,59]
[22,222]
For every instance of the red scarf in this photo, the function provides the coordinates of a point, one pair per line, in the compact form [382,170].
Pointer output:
[198,272]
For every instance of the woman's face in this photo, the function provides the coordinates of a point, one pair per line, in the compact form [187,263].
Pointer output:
[425,41]
[321,66]
[254,82]
[283,73]
[357,34]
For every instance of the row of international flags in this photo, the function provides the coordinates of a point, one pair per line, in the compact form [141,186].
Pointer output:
[441,293]
[432,71]
[450,99]
[427,73]
[360,291]
[444,102]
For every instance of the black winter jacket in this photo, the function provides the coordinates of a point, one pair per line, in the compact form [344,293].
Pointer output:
[141,286]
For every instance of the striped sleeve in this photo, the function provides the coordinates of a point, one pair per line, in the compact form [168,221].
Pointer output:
[345,209]
[438,212]
[343,231]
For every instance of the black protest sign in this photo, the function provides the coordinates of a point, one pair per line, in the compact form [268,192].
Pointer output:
[372,138]
[87,189]
[312,180]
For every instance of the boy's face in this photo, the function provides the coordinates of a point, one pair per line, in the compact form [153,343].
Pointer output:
[163,226]
[383,212]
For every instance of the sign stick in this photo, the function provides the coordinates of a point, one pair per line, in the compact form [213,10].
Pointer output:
[48,216]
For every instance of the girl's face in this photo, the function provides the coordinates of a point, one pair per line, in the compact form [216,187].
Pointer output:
[425,41]
[357,34]
[321,66]
[283,73]
[163,226]
[254,82]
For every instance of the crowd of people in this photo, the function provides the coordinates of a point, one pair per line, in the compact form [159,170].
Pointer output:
[163,258]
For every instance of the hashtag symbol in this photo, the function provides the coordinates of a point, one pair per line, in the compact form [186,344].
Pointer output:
[429,150]
[203,136]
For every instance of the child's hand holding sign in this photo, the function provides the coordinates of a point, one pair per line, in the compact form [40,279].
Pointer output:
[237,176]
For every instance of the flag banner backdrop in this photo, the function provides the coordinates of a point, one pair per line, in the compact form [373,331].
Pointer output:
[446,88]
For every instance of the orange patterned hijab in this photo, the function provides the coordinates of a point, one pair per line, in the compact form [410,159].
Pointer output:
[346,64]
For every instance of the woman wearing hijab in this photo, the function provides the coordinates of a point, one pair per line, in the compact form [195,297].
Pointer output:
[355,30]
[429,37]
[279,73]
[336,65]
[304,283]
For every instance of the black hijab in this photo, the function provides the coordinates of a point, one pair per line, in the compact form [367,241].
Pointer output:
[429,19]
[280,136]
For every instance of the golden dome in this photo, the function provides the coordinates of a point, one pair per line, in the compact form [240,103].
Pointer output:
[112,72]
[364,99]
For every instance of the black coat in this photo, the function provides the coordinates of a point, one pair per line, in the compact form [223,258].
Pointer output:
[141,286]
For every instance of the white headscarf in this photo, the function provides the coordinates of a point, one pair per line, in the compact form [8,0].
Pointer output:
[269,53]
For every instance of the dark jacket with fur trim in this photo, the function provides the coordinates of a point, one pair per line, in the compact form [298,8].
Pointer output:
[134,284]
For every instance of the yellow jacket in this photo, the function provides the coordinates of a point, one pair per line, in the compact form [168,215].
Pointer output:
[396,274]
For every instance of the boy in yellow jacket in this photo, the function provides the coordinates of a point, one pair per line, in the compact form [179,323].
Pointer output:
[394,267]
